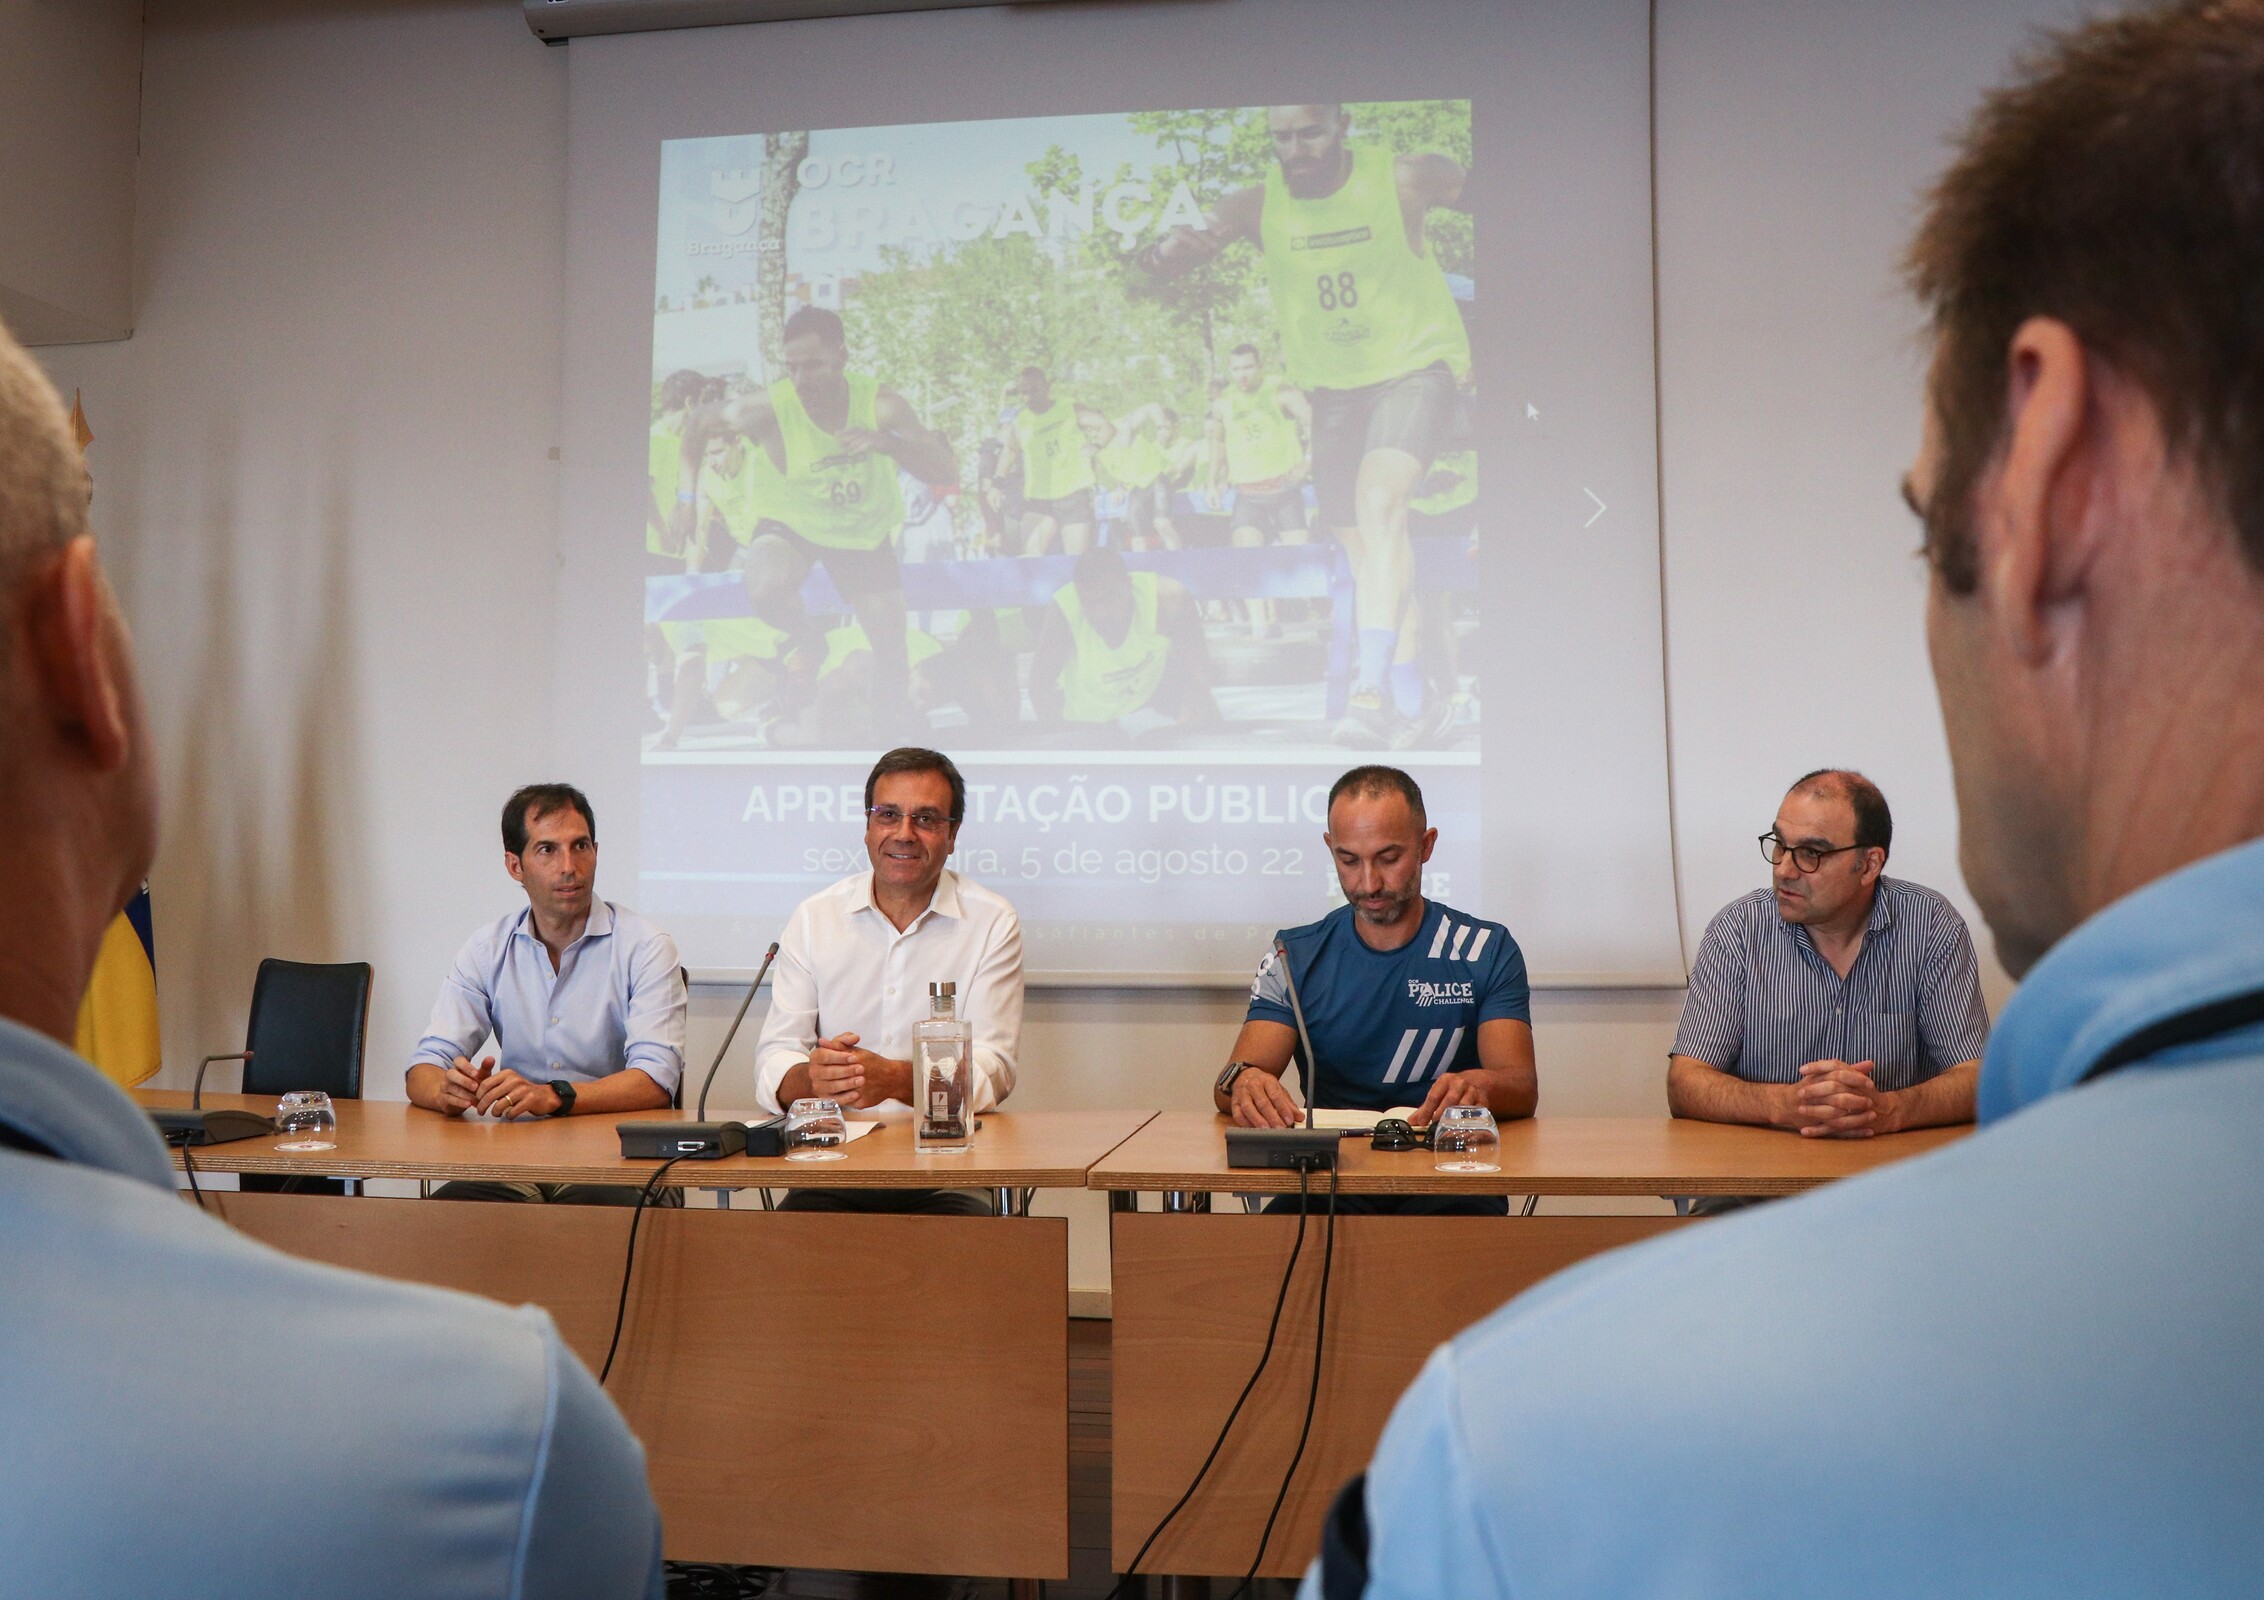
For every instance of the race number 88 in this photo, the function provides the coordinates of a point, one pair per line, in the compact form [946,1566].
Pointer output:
[1341,290]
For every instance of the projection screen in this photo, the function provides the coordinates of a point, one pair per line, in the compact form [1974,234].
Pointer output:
[1077,393]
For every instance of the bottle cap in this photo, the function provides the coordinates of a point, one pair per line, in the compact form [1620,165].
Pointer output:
[940,991]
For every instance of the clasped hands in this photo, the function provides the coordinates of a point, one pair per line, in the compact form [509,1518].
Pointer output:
[858,1078]
[465,1087]
[1838,1100]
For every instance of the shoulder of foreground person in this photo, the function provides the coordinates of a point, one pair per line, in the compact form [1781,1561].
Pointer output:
[2077,1409]
[213,1415]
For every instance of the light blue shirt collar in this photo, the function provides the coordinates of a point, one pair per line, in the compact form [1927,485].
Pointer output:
[598,927]
[2183,941]
[55,1099]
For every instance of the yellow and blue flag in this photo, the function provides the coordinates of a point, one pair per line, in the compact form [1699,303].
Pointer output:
[118,1014]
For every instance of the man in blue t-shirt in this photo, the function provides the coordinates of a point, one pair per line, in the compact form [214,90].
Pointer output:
[1409,1003]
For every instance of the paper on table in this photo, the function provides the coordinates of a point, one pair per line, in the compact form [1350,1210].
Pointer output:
[1361,1121]
[858,1129]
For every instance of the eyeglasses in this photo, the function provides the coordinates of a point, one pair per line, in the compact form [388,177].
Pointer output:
[891,816]
[1806,857]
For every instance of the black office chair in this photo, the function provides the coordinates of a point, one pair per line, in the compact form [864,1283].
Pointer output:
[309,1023]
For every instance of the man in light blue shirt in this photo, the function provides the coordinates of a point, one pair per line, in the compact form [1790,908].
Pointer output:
[183,1410]
[2027,1364]
[585,999]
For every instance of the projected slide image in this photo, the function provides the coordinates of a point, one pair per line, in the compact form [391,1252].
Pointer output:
[1026,342]
[1074,446]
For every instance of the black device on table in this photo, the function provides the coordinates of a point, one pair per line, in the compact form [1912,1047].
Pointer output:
[221,1125]
[1397,1133]
[700,1139]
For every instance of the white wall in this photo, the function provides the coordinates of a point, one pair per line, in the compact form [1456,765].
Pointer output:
[323,473]
[1793,140]
[70,89]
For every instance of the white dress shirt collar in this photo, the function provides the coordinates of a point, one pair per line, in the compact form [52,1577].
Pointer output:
[944,902]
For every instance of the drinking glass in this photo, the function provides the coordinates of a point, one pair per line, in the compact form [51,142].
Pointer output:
[815,1131]
[1466,1140]
[306,1121]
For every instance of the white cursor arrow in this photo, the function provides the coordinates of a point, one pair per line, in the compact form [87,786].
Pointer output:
[1599,511]
[1532,412]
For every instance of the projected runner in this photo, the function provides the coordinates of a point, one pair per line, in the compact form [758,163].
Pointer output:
[1368,325]
[1126,456]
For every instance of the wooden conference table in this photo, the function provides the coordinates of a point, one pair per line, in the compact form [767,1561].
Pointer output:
[881,1393]
[1194,1289]
[890,1393]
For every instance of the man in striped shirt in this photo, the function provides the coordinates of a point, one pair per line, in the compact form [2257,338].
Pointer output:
[1836,1002]
[1410,1003]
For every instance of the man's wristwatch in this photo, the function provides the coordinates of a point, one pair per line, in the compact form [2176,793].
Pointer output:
[1234,1070]
[565,1092]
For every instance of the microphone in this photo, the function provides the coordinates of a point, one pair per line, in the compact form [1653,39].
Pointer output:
[1306,1149]
[700,1139]
[199,1126]
[196,1095]
[746,1000]
[1312,1064]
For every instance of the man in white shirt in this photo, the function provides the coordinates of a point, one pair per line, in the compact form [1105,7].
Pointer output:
[856,959]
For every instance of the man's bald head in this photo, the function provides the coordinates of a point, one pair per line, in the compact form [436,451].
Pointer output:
[78,803]
[1874,823]
[43,482]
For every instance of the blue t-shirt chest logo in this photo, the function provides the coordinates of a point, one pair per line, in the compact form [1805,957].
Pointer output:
[1426,993]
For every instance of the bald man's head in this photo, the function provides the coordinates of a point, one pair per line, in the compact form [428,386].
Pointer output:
[43,482]
[78,803]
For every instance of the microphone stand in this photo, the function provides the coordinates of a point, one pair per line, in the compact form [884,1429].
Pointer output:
[196,1096]
[1307,1149]
[747,1000]
[199,1126]
[699,1139]
[1312,1066]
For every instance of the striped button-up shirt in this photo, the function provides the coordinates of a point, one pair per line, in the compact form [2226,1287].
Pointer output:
[1763,1003]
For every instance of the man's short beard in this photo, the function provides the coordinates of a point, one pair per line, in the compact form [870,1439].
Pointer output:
[1394,910]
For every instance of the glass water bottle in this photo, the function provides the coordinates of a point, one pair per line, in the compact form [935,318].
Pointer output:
[943,1120]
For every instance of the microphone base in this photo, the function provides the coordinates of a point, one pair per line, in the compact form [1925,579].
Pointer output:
[1313,1149]
[683,1141]
[701,1141]
[217,1126]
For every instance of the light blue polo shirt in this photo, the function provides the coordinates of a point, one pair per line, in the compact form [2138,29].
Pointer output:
[2029,1364]
[184,1411]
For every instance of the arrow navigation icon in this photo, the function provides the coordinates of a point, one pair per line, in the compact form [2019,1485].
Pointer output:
[1600,508]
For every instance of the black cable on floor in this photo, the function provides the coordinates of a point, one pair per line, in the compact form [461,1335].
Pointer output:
[189,1166]
[1288,1273]
[709,1580]
[1312,1397]
[629,1265]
